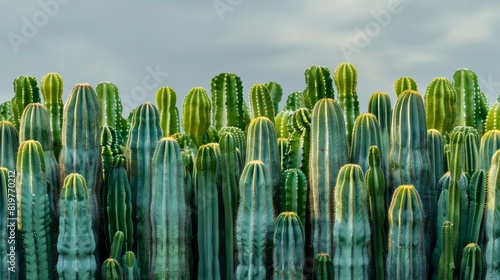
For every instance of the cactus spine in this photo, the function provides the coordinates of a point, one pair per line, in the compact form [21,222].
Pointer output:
[472,263]
[491,226]
[9,144]
[26,92]
[228,102]
[196,114]
[166,100]
[76,243]
[261,104]
[329,152]
[322,267]
[345,77]
[319,85]
[403,84]
[289,241]
[255,222]
[440,99]
[52,91]
[111,110]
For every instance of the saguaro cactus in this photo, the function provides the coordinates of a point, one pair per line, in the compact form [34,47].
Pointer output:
[322,267]
[52,91]
[328,154]
[26,92]
[76,243]
[111,110]
[491,227]
[289,243]
[440,99]
[228,102]
[345,77]
[319,85]
[403,84]
[166,100]
[196,114]
[9,144]
[255,222]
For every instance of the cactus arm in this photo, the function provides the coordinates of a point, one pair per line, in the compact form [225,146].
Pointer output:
[469,100]
[379,104]
[477,204]
[9,145]
[345,77]
[166,99]
[111,109]
[130,267]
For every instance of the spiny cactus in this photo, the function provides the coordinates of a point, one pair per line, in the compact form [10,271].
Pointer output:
[293,193]
[9,144]
[281,123]
[276,92]
[403,84]
[329,152]
[490,143]
[111,110]
[289,241]
[491,227]
[351,231]
[366,133]
[130,267]
[470,153]
[322,267]
[406,236]
[255,223]
[436,156]
[111,268]
[52,86]
[295,101]
[196,114]
[6,113]
[26,92]
[440,98]
[379,104]
[299,140]
[240,137]
[345,77]
[493,118]
[228,102]
[319,85]
[76,243]
[447,261]
[166,100]
[283,147]
[261,104]
[472,263]
[477,203]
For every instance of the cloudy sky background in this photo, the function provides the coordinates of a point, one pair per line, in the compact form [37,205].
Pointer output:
[121,41]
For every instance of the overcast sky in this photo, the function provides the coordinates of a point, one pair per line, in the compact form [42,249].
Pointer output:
[142,45]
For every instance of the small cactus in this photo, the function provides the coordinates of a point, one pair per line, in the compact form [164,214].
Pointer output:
[322,267]
[472,263]
[403,84]
[166,100]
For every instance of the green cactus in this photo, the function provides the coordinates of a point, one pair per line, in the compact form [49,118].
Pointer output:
[476,192]
[490,143]
[295,101]
[472,263]
[228,102]
[144,134]
[26,92]
[378,203]
[212,136]
[261,104]
[207,178]
[283,147]
[470,152]
[436,156]
[111,110]
[492,213]
[111,268]
[276,92]
[447,261]
[240,137]
[166,100]
[443,205]
[6,113]
[168,220]
[9,144]
[319,85]
[76,243]
[185,142]
[52,90]
[299,140]
[322,267]
[196,114]
[351,231]
[130,267]
[406,236]
[109,149]
[345,77]
[493,118]
[439,99]
[380,105]
[366,133]
[293,193]
[288,255]
[281,123]
[403,84]
[329,152]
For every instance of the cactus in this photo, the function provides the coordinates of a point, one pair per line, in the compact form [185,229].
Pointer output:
[293,193]
[403,84]
[447,262]
[111,110]
[207,178]
[212,136]
[76,243]
[295,101]
[52,91]
[440,99]
[406,236]
[492,213]
[319,85]
[144,134]
[26,92]
[329,152]
[111,268]
[472,263]
[261,104]
[443,205]
[130,267]
[490,143]
[380,105]
[228,102]
[477,203]
[493,118]
[378,202]
[241,139]
[351,231]
[166,100]
[366,133]
[281,123]
[196,114]
[288,256]
[299,140]
[33,219]
[345,77]
[6,113]
[436,156]
[283,147]
[276,92]
[9,144]
[255,222]
[322,267]
[470,153]
[168,220]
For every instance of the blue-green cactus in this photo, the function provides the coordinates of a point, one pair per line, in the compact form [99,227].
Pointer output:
[289,244]
[491,227]
[490,143]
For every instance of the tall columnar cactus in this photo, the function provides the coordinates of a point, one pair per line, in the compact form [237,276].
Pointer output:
[329,152]
[52,90]
[403,84]
[493,118]
[295,101]
[440,99]
[276,92]
[293,193]
[168,220]
[166,100]
[406,236]
[228,102]
[447,260]
[281,123]
[6,113]
[196,114]
[472,263]
[436,156]
[366,133]
[470,152]
[261,104]
[477,203]
[299,140]
[109,149]
[490,143]
[469,100]
[262,145]
[255,223]
[345,77]
[111,110]
[380,105]
[491,226]
[322,267]
[33,218]
[76,243]
[119,203]
[26,91]
[319,85]
[443,205]
[289,242]
[351,231]
[9,144]
[207,178]
[144,134]
[378,202]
